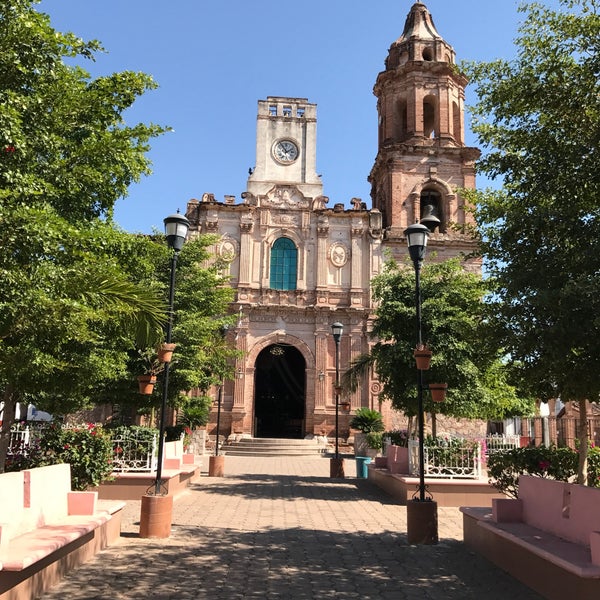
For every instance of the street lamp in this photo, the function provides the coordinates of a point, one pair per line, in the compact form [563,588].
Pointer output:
[422,511]
[216,463]
[337,464]
[176,227]
[157,508]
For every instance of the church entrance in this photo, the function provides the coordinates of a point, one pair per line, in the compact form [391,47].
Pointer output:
[279,390]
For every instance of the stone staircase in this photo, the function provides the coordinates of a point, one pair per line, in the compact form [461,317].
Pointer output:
[273,447]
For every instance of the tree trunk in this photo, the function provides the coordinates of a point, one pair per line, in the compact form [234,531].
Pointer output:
[8,418]
[433,425]
[412,427]
[583,444]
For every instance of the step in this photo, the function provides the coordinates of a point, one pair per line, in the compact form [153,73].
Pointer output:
[273,447]
[282,441]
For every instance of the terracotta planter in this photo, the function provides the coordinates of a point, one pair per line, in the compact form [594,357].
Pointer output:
[336,468]
[216,466]
[165,353]
[146,383]
[155,517]
[438,391]
[423,358]
[345,406]
[421,522]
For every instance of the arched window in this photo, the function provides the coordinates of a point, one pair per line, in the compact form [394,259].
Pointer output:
[431,210]
[401,121]
[429,116]
[284,264]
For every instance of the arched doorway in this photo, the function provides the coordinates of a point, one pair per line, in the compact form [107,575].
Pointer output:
[279,392]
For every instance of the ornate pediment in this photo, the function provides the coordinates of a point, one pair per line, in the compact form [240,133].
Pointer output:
[286,197]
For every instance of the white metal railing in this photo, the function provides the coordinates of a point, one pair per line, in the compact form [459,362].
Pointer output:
[19,435]
[448,460]
[500,443]
[23,434]
[133,454]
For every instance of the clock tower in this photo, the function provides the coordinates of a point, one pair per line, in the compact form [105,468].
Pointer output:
[422,161]
[286,146]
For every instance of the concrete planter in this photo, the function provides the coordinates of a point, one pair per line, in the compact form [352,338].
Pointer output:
[156,516]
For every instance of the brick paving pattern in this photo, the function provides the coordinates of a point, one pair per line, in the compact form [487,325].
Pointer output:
[281,528]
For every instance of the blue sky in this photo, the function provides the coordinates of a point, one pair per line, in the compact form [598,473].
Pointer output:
[214,59]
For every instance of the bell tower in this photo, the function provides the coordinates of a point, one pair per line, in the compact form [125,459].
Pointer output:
[422,160]
[286,146]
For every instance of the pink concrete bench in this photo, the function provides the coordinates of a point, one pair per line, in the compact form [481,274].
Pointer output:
[549,538]
[45,528]
[395,459]
[175,458]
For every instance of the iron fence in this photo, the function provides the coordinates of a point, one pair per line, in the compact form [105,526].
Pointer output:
[448,459]
[133,453]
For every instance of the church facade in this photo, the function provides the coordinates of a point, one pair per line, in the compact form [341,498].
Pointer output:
[299,263]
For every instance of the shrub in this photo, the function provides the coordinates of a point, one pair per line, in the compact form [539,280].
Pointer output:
[375,440]
[398,437]
[594,467]
[87,449]
[195,412]
[504,468]
[367,420]
[173,433]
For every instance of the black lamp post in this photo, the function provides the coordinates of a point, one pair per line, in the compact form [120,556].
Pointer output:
[421,518]
[336,467]
[224,330]
[337,329]
[176,228]
[219,397]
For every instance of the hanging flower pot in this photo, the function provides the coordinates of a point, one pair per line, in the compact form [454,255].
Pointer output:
[165,352]
[345,406]
[438,391]
[146,383]
[423,357]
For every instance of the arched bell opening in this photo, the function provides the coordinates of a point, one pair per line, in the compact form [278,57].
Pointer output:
[279,393]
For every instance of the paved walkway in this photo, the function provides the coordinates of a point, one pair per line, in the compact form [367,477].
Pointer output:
[281,528]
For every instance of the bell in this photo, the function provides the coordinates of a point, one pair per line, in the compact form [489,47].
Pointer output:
[428,217]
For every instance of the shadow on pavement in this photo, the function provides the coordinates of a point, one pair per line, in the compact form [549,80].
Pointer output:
[290,563]
[289,487]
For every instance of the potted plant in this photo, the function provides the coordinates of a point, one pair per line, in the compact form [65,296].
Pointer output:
[366,421]
[165,352]
[422,355]
[146,383]
[438,391]
[374,443]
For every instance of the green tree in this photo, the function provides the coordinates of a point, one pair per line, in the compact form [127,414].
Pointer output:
[72,301]
[70,311]
[538,120]
[453,329]
[63,138]
[204,353]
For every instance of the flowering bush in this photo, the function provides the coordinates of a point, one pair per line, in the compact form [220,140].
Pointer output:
[398,437]
[504,468]
[87,449]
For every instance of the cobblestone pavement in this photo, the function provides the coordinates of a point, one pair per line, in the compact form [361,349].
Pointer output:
[281,528]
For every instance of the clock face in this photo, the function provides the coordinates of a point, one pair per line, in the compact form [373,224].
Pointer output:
[285,151]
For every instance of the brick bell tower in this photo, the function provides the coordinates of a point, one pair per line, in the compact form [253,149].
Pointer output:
[422,160]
